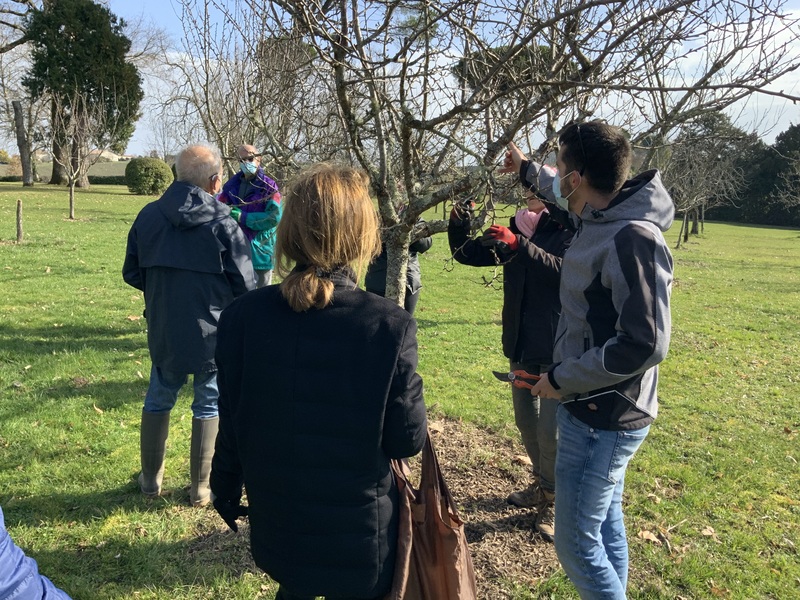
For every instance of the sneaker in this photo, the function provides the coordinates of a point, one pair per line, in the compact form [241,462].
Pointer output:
[546,516]
[530,497]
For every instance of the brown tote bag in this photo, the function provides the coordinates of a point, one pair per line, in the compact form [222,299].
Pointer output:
[433,560]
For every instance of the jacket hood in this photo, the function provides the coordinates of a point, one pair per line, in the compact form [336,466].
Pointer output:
[186,206]
[643,198]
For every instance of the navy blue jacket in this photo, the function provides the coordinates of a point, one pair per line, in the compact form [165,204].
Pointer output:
[312,406]
[191,260]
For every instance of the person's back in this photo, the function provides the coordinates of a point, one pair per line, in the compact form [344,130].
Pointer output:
[317,399]
[192,264]
[318,431]
[191,260]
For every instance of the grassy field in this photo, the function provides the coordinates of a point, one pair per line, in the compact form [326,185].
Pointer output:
[105,168]
[713,509]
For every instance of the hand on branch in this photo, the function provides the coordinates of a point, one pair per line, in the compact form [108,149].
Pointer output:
[513,159]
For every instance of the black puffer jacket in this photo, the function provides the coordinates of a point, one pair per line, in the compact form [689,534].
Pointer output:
[191,260]
[531,278]
[312,406]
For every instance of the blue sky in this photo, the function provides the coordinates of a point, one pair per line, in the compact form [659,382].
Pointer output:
[161,12]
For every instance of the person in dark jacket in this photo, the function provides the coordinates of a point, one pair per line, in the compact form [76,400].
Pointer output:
[191,260]
[613,332]
[530,250]
[375,280]
[19,574]
[317,399]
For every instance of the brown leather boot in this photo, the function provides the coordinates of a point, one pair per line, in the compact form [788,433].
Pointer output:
[530,497]
[204,436]
[153,448]
[546,516]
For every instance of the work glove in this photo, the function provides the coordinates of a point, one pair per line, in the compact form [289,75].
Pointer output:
[236,214]
[462,211]
[501,238]
[230,510]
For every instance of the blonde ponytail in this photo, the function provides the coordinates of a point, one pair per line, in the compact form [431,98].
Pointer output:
[328,223]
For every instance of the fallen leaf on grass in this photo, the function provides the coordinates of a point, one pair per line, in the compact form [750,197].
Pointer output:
[47,269]
[787,430]
[99,410]
[133,317]
[654,498]
[649,536]
[521,459]
[719,591]
[139,375]
[436,426]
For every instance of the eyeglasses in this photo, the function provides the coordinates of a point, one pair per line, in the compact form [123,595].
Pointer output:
[583,152]
[250,158]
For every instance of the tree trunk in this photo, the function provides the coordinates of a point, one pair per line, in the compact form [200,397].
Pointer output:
[703,218]
[23,143]
[397,243]
[60,152]
[695,222]
[59,173]
[80,165]
[680,233]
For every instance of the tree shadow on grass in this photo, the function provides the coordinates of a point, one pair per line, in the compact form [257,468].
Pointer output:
[95,397]
[21,342]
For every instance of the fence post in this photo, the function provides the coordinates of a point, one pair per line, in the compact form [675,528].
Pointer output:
[19,221]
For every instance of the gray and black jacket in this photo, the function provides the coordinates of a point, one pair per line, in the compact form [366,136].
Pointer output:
[615,313]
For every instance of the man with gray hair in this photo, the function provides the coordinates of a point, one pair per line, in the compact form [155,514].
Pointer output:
[191,260]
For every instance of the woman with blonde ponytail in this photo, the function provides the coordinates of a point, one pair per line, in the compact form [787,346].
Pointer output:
[318,390]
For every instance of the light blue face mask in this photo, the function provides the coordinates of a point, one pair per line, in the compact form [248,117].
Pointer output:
[560,200]
[248,167]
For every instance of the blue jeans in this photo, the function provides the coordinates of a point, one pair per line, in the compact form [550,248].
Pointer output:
[590,531]
[162,394]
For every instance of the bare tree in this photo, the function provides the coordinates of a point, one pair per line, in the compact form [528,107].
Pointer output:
[87,129]
[428,93]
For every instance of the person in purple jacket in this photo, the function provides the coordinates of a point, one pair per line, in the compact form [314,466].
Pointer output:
[19,574]
[256,205]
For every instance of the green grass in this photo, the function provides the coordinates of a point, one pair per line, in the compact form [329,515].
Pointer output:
[715,484]
[105,168]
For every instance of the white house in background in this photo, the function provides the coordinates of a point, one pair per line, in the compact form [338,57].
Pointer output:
[103,155]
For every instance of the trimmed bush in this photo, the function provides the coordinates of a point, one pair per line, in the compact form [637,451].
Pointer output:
[147,176]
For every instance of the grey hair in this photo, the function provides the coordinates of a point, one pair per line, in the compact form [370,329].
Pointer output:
[196,164]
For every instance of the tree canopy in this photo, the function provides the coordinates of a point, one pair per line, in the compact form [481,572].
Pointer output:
[78,51]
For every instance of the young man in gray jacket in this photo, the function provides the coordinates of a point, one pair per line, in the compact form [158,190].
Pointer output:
[614,329]
[191,260]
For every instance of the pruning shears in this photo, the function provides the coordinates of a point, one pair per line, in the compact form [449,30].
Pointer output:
[519,378]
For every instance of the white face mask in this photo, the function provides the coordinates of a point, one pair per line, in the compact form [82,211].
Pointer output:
[560,200]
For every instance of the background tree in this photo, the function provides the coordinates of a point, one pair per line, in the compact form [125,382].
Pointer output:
[79,54]
[702,168]
[87,128]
